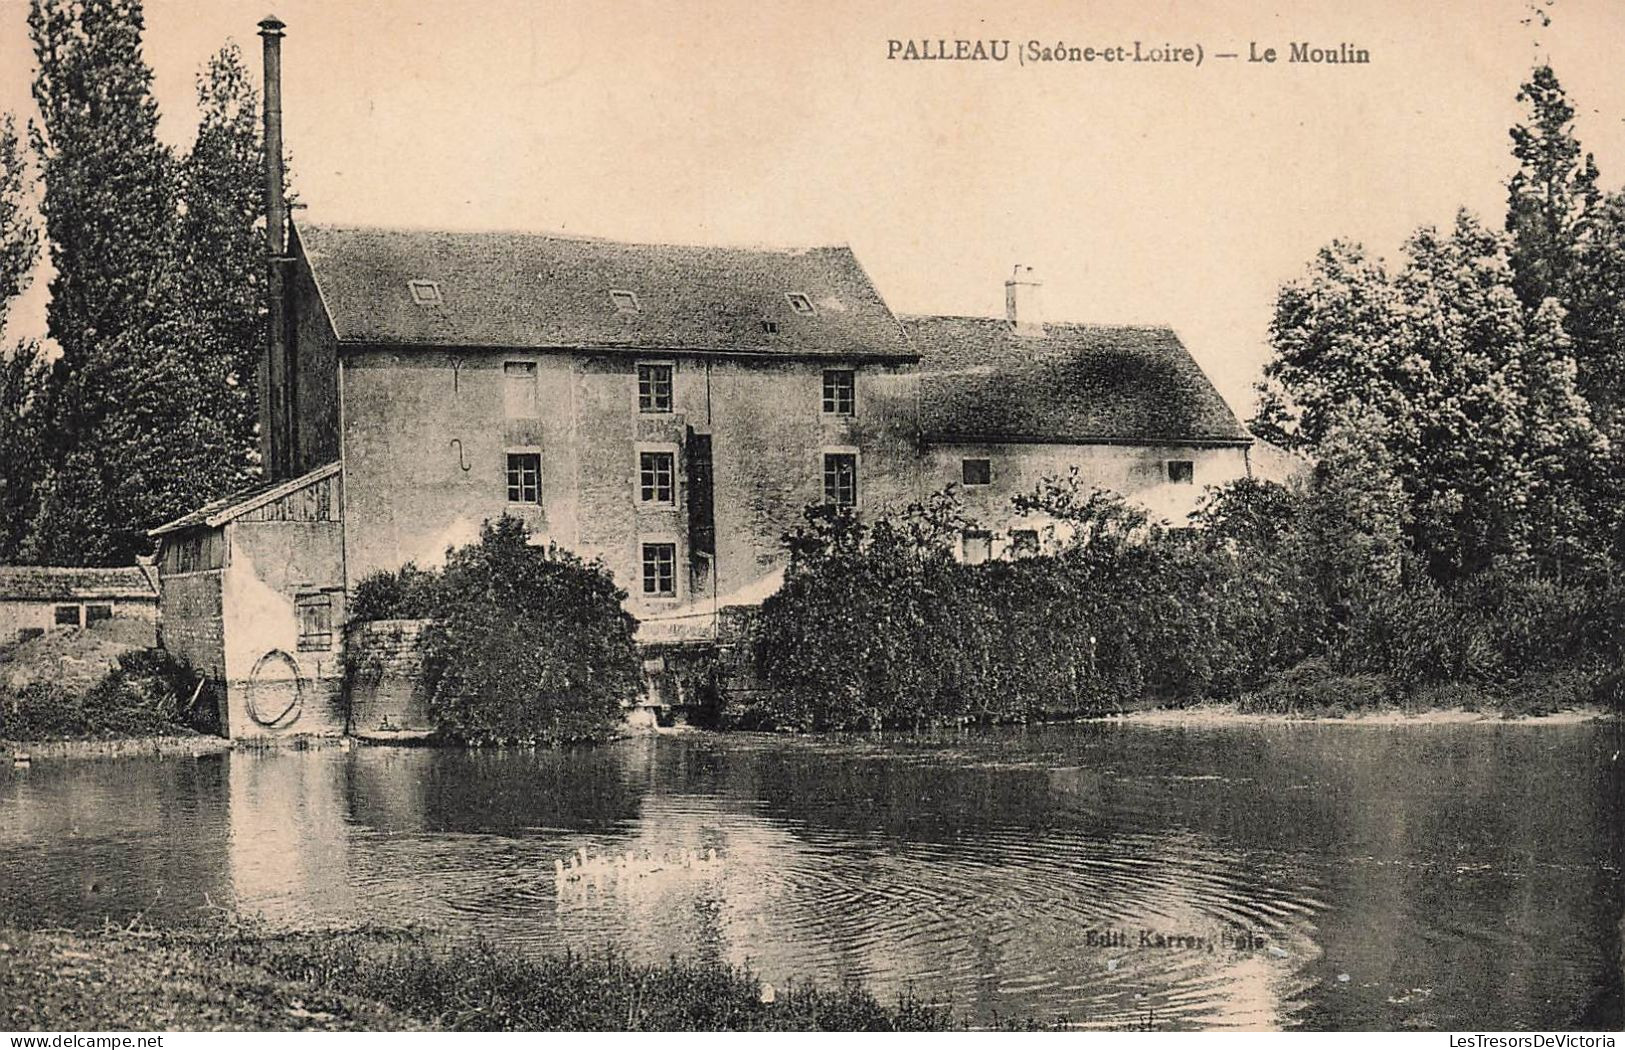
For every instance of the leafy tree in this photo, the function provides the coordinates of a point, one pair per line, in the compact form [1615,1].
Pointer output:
[528,645]
[1474,402]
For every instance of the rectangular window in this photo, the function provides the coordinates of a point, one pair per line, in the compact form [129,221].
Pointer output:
[977,546]
[976,471]
[519,389]
[660,570]
[315,622]
[1181,471]
[841,479]
[1023,543]
[840,391]
[524,477]
[67,616]
[28,633]
[654,388]
[657,472]
[97,612]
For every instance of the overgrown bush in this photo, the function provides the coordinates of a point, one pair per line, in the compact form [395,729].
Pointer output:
[149,693]
[525,645]
[1300,600]
[1313,688]
[880,625]
[408,593]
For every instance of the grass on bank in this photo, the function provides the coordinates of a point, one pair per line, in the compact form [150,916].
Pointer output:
[367,979]
[1314,690]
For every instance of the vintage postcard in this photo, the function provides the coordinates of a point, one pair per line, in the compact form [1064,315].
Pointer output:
[605,515]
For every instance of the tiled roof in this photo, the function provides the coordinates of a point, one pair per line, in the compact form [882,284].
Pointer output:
[540,290]
[979,380]
[41,583]
[242,501]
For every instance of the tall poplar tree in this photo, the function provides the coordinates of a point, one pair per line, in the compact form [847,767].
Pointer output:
[157,302]
[223,249]
[109,206]
[22,370]
[1549,197]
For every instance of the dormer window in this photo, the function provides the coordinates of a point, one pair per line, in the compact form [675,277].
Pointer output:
[770,327]
[425,293]
[625,302]
[800,303]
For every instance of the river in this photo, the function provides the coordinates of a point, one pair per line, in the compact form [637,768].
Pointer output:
[1243,876]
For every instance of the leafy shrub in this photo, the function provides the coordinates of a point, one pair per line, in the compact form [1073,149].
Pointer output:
[1313,688]
[525,645]
[408,593]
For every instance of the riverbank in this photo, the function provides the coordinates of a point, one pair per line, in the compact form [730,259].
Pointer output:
[142,979]
[114,747]
[1232,714]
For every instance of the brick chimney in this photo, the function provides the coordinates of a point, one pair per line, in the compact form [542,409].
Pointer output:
[275,456]
[1022,306]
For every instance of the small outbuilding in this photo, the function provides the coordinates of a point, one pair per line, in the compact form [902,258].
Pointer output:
[252,593]
[35,599]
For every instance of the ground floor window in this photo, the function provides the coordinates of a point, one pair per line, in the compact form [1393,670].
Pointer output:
[28,633]
[841,479]
[67,616]
[976,471]
[97,612]
[660,570]
[1181,471]
[977,546]
[524,477]
[1023,543]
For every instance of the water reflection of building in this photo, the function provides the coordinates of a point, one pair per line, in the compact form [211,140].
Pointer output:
[290,845]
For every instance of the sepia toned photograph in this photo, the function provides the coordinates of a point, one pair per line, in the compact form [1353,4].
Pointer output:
[633,516]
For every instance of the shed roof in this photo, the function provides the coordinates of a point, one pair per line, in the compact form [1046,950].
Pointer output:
[46,583]
[229,508]
[544,290]
[1076,384]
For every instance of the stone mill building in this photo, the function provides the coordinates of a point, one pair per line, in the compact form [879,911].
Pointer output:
[670,409]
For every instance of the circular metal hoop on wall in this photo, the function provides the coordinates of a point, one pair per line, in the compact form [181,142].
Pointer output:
[276,690]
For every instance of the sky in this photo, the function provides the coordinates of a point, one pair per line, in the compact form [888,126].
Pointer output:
[1175,194]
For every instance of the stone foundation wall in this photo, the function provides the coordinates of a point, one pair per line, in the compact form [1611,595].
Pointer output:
[386,675]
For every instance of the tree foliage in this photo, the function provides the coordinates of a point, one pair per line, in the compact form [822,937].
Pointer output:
[1550,197]
[156,299]
[1473,399]
[22,367]
[525,644]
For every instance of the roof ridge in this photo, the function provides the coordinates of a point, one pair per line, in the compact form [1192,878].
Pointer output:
[1117,326]
[578,238]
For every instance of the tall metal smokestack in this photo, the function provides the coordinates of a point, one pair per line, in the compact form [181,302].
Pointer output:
[274,455]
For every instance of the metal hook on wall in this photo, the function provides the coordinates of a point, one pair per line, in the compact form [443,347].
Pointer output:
[456,377]
[462,460]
